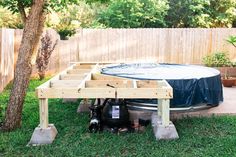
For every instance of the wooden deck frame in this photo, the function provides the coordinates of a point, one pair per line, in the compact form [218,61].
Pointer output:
[83,80]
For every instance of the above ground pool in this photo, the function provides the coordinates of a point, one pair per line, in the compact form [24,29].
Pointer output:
[192,85]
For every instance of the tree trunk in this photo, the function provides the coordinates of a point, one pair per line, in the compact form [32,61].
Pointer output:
[31,36]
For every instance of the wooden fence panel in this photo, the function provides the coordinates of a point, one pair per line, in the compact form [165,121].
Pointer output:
[6,57]
[64,53]
[164,45]
[169,45]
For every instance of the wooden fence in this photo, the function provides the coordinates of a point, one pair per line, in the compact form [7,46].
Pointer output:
[64,53]
[6,56]
[167,45]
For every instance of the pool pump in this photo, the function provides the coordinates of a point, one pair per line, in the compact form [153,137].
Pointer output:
[112,113]
[115,113]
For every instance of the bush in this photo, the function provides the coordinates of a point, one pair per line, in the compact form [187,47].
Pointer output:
[66,24]
[9,20]
[65,32]
[65,28]
[201,13]
[84,13]
[219,59]
[44,53]
[233,64]
[134,14]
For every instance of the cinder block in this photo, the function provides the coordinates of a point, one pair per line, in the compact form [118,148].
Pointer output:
[43,136]
[84,106]
[66,100]
[162,132]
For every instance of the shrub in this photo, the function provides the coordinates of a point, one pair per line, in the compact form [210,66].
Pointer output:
[44,54]
[84,13]
[219,59]
[65,32]
[66,26]
[201,13]
[234,64]
[134,14]
[9,20]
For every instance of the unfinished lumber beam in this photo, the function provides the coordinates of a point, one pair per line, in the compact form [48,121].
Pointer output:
[78,71]
[77,93]
[72,76]
[142,93]
[135,84]
[105,77]
[108,84]
[64,83]
[43,111]
[57,77]
[164,106]
[79,66]
[103,93]
[88,76]
[163,84]
[147,84]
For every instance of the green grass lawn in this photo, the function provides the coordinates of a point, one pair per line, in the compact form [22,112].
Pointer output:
[215,136]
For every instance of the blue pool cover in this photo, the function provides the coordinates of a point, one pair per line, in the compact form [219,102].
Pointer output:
[192,85]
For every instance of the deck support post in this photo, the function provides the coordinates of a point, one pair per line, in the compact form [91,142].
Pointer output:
[162,126]
[45,133]
[43,112]
[164,107]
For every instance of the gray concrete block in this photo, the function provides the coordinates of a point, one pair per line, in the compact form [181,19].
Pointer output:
[162,132]
[43,136]
[84,106]
[155,119]
[66,100]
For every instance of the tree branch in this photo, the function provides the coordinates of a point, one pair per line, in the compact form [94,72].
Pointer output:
[21,9]
[233,44]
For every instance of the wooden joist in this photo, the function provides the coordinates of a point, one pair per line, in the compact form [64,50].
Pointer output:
[64,83]
[98,76]
[131,93]
[88,77]
[57,77]
[78,71]
[72,76]
[80,82]
[108,84]
[147,84]
[83,66]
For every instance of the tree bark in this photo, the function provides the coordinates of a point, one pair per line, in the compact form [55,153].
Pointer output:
[31,36]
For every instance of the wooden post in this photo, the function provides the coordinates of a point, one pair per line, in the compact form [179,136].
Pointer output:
[159,107]
[43,111]
[164,106]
